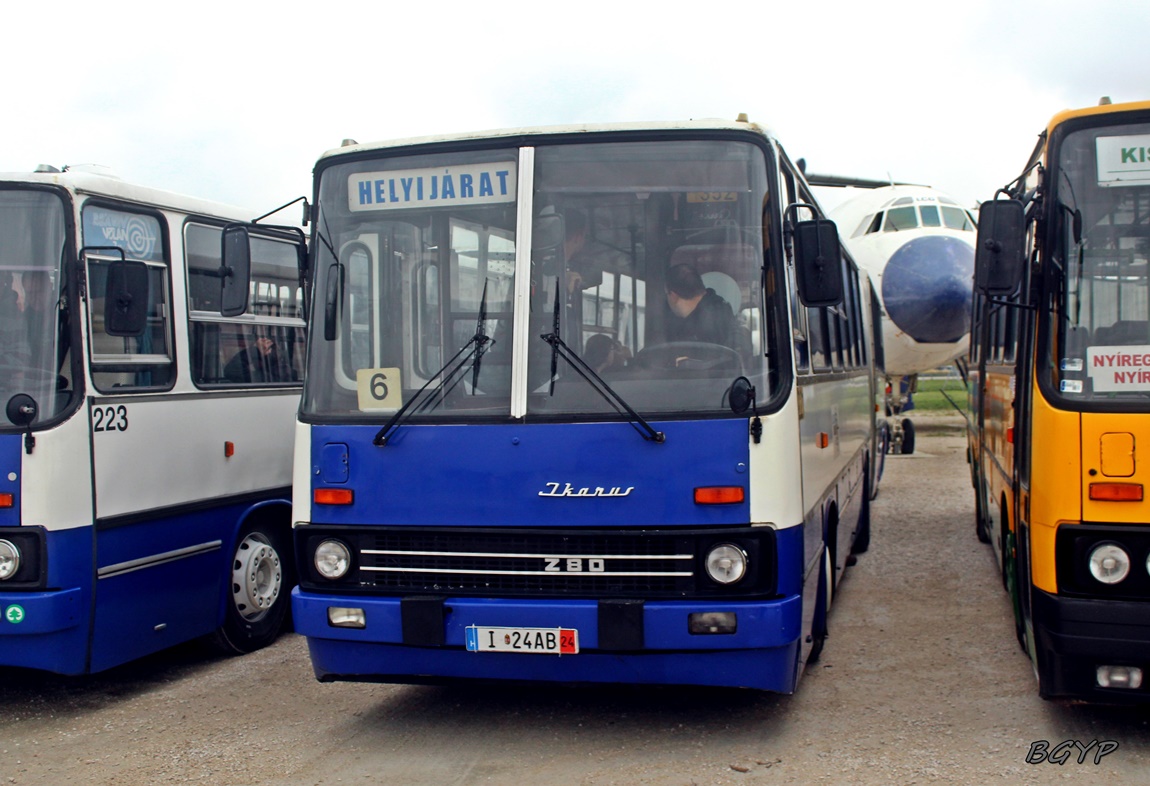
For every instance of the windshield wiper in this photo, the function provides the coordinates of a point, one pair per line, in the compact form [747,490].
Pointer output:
[481,337]
[455,368]
[597,383]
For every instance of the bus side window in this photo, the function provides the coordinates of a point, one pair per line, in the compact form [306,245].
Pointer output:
[265,346]
[128,362]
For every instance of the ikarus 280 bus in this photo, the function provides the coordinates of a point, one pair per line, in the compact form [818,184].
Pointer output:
[583,404]
[148,398]
[1060,401]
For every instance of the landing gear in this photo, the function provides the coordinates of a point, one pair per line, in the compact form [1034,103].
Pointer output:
[901,429]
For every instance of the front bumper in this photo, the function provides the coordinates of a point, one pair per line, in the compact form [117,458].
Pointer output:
[1075,636]
[423,640]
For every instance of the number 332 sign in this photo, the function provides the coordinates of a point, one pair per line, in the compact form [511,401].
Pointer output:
[379,388]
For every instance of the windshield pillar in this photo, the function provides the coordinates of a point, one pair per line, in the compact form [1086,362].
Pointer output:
[523,282]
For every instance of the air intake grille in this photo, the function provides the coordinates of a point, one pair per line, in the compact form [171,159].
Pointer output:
[536,562]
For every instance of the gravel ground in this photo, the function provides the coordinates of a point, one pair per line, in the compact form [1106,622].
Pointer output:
[921,682]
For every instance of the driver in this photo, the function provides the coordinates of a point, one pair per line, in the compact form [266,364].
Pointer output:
[698,314]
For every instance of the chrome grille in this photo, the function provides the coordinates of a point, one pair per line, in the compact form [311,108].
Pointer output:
[568,563]
[537,562]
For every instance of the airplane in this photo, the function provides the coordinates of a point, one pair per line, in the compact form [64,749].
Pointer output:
[917,244]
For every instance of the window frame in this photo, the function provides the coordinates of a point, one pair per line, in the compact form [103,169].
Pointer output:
[280,324]
[101,363]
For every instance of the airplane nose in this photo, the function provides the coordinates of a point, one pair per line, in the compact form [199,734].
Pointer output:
[926,288]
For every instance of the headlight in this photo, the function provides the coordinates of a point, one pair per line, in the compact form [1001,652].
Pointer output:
[1109,563]
[9,559]
[332,559]
[726,564]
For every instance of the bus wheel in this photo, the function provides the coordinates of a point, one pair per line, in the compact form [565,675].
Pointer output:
[1006,542]
[980,524]
[883,449]
[258,592]
[862,534]
[907,437]
[823,605]
[1019,584]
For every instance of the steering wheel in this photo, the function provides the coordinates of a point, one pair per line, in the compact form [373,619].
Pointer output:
[689,356]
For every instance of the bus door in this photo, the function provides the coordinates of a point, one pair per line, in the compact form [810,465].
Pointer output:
[156,577]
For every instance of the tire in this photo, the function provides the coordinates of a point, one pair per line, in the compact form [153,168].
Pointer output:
[907,437]
[880,458]
[1020,583]
[862,534]
[981,527]
[259,582]
[819,636]
[1006,542]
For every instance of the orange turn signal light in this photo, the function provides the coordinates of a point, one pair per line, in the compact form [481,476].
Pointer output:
[1116,492]
[822,439]
[719,495]
[333,496]
[7,500]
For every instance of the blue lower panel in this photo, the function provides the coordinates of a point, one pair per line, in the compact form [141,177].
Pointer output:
[42,630]
[762,654]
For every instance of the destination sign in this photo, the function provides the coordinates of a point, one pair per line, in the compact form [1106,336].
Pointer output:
[467,185]
[1123,160]
[1115,369]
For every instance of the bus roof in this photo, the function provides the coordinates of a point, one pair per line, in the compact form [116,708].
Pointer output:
[1101,109]
[101,183]
[558,130]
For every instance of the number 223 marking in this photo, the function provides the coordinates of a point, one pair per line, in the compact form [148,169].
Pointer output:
[110,419]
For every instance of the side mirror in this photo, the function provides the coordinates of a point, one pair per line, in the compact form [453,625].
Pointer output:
[126,299]
[1000,253]
[741,395]
[818,263]
[21,410]
[235,270]
[547,238]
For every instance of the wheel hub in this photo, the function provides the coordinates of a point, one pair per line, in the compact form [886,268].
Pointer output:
[257,577]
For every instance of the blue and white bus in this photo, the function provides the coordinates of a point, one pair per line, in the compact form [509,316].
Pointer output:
[146,436]
[582,404]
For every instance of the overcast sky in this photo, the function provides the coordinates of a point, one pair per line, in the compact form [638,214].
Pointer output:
[234,101]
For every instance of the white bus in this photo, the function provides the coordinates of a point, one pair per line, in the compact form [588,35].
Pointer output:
[146,430]
[583,404]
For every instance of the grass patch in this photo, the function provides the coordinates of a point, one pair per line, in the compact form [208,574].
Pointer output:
[929,397]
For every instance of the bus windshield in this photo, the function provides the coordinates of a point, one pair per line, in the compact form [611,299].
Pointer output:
[645,270]
[33,314]
[1101,319]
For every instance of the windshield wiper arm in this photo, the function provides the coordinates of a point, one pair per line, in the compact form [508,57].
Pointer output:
[404,412]
[480,343]
[559,346]
[600,386]
[554,345]
[480,338]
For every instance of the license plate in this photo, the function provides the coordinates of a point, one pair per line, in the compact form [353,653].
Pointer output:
[532,641]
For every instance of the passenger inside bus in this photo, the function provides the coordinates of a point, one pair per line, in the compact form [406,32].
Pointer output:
[699,314]
[260,362]
[605,354]
[582,272]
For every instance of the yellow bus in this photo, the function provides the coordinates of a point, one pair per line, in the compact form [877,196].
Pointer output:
[1059,398]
